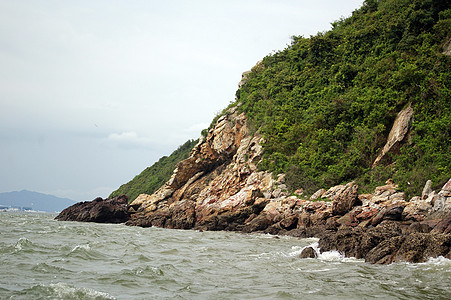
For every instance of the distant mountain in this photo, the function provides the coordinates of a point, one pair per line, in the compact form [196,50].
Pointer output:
[27,200]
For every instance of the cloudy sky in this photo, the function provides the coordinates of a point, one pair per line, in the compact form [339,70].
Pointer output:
[92,92]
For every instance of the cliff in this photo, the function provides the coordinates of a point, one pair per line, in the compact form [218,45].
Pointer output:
[333,137]
[219,187]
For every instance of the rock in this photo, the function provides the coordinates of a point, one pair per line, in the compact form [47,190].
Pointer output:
[333,192]
[418,247]
[345,199]
[444,226]
[289,222]
[317,194]
[397,135]
[442,202]
[447,47]
[426,190]
[345,240]
[281,178]
[418,227]
[299,192]
[183,215]
[142,198]
[308,252]
[114,210]
[384,252]
[446,189]
[219,187]
[388,213]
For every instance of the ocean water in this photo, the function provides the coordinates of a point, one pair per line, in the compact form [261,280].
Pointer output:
[41,258]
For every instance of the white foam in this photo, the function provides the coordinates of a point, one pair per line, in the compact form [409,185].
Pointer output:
[438,261]
[63,290]
[329,256]
[81,247]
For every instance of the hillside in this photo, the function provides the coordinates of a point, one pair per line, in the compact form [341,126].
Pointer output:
[149,180]
[33,200]
[325,104]
[343,136]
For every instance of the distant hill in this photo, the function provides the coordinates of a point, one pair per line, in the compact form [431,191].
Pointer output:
[27,200]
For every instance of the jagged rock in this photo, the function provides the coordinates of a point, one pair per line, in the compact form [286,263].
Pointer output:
[442,201]
[183,215]
[398,133]
[345,199]
[417,209]
[219,187]
[384,252]
[388,213]
[417,227]
[426,190]
[281,178]
[308,252]
[317,194]
[444,226]
[345,240]
[418,247]
[139,201]
[333,192]
[114,210]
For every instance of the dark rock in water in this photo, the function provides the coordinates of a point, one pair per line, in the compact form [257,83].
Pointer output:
[308,252]
[114,210]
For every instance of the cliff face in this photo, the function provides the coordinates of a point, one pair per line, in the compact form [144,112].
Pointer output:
[219,187]
[219,178]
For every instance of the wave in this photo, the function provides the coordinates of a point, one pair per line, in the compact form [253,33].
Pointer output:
[327,256]
[84,251]
[60,291]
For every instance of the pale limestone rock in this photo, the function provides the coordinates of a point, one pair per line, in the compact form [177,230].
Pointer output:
[333,192]
[442,201]
[281,178]
[140,200]
[426,190]
[397,134]
[447,47]
[317,194]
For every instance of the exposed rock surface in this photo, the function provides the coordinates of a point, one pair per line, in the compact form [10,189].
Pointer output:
[399,132]
[308,252]
[220,188]
[99,210]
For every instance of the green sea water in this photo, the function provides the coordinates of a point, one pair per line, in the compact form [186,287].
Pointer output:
[41,258]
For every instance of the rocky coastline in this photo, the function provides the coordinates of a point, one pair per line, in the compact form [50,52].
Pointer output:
[219,187]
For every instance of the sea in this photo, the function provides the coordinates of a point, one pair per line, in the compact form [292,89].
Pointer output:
[41,258]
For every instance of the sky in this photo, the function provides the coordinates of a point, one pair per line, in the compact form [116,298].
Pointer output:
[93,92]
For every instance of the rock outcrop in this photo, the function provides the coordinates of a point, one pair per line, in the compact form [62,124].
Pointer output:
[115,210]
[398,134]
[219,187]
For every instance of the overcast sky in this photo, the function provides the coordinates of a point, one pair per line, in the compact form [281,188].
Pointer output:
[93,92]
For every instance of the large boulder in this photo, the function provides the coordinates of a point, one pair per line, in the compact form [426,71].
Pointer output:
[398,134]
[114,210]
[345,199]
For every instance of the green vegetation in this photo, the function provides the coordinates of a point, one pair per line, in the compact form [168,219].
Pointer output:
[156,175]
[326,104]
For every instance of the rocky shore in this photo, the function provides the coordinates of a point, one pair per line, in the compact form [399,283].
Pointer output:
[219,187]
